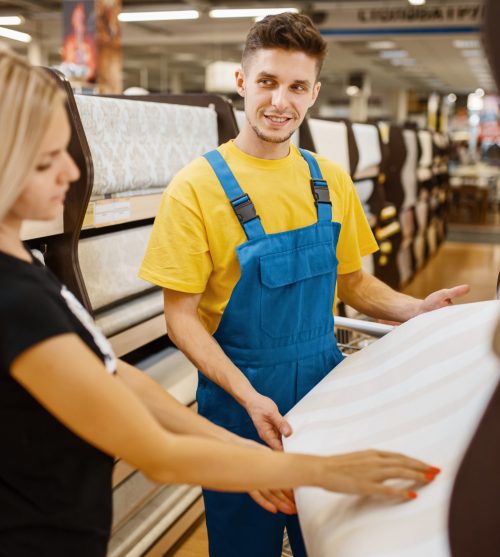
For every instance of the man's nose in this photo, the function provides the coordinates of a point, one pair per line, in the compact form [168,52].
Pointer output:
[280,99]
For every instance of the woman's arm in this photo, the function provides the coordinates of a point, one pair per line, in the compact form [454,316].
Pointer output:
[169,412]
[175,417]
[72,383]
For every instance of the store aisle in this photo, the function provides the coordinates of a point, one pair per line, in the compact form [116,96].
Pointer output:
[455,263]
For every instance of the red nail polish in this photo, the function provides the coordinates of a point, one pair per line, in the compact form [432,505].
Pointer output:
[411,495]
[429,476]
[434,470]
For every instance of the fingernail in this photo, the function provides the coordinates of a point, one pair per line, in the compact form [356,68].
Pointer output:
[411,495]
[434,470]
[430,476]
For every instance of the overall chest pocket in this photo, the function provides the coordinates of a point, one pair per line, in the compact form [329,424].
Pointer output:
[297,288]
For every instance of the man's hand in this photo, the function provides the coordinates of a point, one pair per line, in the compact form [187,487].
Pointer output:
[442,298]
[268,421]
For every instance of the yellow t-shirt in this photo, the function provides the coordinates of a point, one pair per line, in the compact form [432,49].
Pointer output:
[196,232]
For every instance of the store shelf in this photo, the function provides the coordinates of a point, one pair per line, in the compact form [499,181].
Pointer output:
[117,210]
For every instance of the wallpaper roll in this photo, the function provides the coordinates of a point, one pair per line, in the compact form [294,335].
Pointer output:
[130,313]
[409,172]
[425,139]
[110,263]
[330,140]
[139,145]
[368,143]
[419,390]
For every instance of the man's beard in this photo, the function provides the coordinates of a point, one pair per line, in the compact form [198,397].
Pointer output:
[270,139]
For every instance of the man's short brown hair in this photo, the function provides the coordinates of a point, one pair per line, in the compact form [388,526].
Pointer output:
[288,31]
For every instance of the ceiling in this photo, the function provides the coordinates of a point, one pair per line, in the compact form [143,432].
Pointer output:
[174,54]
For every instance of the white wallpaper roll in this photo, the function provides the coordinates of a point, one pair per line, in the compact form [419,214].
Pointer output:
[330,141]
[420,390]
[117,319]
[409,171]
[368,143]
[425,139]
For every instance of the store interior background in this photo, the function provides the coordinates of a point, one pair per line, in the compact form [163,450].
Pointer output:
[388,60]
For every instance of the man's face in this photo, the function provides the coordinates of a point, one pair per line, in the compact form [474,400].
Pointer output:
[279,86]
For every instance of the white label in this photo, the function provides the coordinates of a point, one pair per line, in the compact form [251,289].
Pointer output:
[107,211]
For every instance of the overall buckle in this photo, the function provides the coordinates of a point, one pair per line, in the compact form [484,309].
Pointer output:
[320,191]
[244,208]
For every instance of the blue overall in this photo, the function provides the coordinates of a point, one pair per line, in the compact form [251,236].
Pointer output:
[278,330]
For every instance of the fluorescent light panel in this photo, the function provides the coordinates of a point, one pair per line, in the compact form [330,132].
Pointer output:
[249,12]
[472,53]
[471,43]
[15,35]
[381,45]
[159,16]
[11,20]
[403,62]
[416,2]
[391,54]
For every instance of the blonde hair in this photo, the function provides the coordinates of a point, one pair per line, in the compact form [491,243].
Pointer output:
[28,98]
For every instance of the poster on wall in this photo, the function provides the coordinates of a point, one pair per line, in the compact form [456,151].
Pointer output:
[109,61]
[80,49]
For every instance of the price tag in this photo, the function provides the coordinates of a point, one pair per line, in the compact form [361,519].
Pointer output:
[111,210]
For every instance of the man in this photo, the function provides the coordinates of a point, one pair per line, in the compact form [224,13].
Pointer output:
[247,245]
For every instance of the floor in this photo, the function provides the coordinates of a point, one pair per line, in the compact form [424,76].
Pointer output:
[455,263]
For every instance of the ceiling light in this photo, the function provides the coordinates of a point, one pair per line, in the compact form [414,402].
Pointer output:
[250,12]
[352,90]
[452,98]
[416,2]
[11,20]
[185,57]
[381,45]
[403,62]
[393,54]
[159,16]
[15,35]
[466,43]
[474,102]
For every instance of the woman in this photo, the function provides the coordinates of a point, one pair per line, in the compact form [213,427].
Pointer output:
[68,406]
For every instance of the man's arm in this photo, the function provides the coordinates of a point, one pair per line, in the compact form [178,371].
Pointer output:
[186,330]
[374,298]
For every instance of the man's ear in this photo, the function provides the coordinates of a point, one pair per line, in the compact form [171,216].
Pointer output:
[240,82]
[315,93]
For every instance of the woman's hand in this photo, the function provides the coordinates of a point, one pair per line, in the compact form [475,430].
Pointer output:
[364,473]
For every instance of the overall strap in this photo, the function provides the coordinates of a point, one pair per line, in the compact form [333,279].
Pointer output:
[240,201]
[319,187]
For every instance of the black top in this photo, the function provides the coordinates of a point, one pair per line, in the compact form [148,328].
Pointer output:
[55,489]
